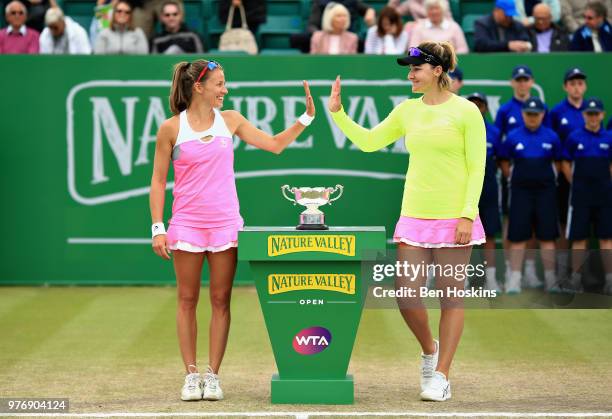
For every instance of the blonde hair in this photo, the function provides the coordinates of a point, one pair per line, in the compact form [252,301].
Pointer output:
[446,53]
[442,4]
[332,10]
[183,78]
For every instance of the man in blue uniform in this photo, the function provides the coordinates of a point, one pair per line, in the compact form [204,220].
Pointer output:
[509,114]
[566,117]
[588,166]
[488,207]
[509,117]
[533,149]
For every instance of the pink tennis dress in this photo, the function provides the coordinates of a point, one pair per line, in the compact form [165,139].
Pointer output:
[205,212]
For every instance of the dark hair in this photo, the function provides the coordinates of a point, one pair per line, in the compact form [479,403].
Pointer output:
[171,3]
[394,18]
[446,53]
[183,78]
[598,7]
[130,24]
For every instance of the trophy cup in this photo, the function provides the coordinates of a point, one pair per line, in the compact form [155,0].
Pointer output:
[312,198]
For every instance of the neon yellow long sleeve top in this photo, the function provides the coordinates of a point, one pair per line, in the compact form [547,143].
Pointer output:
[447,147]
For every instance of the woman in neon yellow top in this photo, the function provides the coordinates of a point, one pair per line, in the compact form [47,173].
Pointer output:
[446,138]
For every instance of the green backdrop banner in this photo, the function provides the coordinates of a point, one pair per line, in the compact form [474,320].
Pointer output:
[79,133]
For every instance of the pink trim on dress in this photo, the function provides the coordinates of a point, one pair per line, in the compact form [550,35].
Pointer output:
[434,233]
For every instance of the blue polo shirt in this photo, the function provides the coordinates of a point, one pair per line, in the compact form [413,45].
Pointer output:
[532,154]
[591,154]
[509,116]
[565,118]
[489,190]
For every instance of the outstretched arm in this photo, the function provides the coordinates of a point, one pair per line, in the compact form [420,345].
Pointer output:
[368,140]
[274,143]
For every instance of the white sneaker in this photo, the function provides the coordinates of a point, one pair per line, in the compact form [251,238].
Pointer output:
[574,284]
[530,278]
[192,389]
[552,282]
[212,389]
[428,366]
[513,284]
[491,280]
[438,389]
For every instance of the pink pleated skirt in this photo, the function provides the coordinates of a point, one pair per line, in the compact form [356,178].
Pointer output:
[434,233]
[196,240]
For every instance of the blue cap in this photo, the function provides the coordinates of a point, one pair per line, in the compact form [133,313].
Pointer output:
[533,105]
[456,74]
[593,105]
[574,73]
[521,71]
[478,96]
[507,6]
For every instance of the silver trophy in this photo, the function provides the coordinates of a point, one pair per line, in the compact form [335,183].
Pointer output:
[312,198]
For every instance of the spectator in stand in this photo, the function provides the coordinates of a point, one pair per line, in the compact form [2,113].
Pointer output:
[388,35]
[16,38]
[438,28]
[335,38]
[547,36]
[499,32]
[525,9]
[416,8]
[356,8]
[36,13]
[63,35]
[175,37]
[456,77]
[145,14]
[122,37]
[572,13]
[596,34]
[256,12]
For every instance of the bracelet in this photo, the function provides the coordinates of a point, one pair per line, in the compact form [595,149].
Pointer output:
[157,229]
[305,119]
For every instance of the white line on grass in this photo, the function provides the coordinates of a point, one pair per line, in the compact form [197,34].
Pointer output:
[306,415]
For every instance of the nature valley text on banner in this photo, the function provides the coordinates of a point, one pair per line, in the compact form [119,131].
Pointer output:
[280,283]
[329,243]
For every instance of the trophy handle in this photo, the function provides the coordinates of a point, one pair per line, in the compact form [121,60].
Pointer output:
[341,188]
[283,189]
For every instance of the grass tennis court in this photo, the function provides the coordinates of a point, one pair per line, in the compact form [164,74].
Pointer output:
[115,350]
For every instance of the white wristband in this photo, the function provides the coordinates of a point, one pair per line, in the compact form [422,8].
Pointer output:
[305,119]
[157,229]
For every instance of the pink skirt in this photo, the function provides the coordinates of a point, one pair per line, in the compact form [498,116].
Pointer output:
[196,240]
[434,233]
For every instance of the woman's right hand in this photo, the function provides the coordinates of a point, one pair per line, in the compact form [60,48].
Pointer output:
[160,246]
[335,103]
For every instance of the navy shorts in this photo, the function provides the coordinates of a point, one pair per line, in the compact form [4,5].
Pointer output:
[581,218]
[490,217]
[533,210]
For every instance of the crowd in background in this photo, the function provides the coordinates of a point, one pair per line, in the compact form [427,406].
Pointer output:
[333,27]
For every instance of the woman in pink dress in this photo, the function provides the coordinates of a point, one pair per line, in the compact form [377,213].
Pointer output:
[206,219]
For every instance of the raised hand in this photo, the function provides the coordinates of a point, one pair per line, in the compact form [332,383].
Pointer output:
[310,107]
[335,102]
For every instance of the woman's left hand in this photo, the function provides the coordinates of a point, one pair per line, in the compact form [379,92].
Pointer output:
[463,233]
[310,107]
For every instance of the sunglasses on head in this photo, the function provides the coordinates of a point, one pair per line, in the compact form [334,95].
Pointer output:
[429,58]
[210,66]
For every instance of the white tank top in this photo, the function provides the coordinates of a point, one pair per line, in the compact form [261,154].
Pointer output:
[186,133]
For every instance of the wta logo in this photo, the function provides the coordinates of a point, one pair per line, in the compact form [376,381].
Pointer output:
[312,340]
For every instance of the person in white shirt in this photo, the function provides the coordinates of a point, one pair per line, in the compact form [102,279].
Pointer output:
[437,27]
[62,35]
[388,35]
